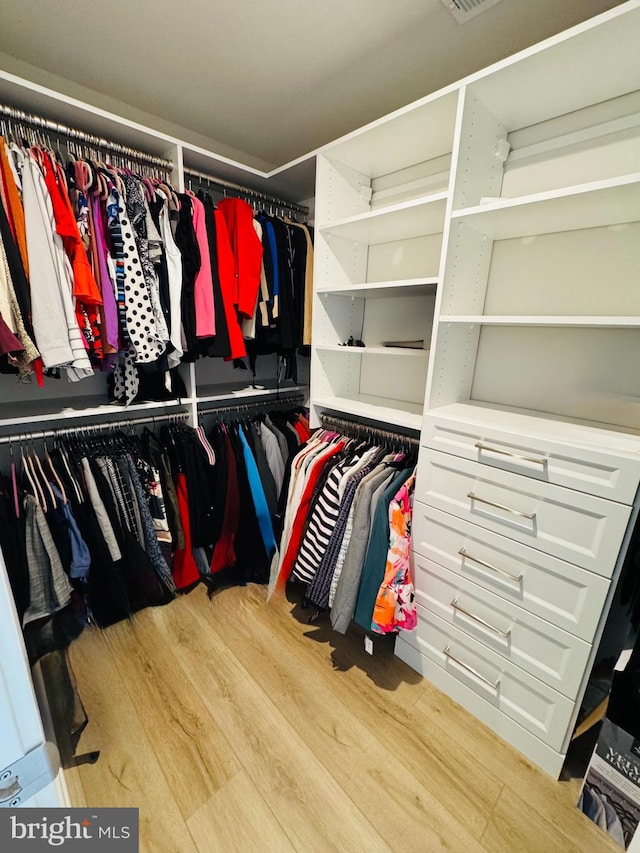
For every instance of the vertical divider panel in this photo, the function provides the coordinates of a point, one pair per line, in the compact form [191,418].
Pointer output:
[177,178]
[177,175]
[481,154]
[345,191]
[435,350]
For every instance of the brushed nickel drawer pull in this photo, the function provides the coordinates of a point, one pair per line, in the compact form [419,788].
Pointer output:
[528,515]
[516,578]
[492,684]
[534,461]
[454,604]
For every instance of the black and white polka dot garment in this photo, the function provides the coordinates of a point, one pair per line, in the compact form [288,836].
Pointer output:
[125,377]
[139,314]
[137,210]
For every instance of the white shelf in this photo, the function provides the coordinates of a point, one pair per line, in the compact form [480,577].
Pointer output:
[401,221]
[390,412]
[611,202]
[551,320]
[591,63]
[265,390]
[39,412]
[384,289]
[413,134]
[374,350]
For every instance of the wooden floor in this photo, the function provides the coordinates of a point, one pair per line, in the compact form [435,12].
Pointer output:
[235,725]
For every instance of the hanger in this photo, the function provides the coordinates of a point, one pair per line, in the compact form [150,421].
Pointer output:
[33,480]
[40,476]
[55,474]
[65,461]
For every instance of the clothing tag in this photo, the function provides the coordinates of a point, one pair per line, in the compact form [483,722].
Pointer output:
[368,645]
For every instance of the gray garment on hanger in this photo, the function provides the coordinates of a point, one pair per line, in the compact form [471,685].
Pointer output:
[614,826]
[282,441]
[101,512]
[273,453]
[366,498]
[49,587]
[266,477]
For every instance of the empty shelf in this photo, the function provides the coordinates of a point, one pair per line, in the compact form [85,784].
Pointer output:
[611,202]
[395,222]
[390,412]
[384,289]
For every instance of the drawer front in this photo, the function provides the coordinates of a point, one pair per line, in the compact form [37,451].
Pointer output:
[570,525]
[541,649]
[534,705]
[607,475]
[561,593]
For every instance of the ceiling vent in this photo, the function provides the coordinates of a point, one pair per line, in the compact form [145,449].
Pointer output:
[464,10]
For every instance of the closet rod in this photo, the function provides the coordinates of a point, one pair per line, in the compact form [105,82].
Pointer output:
[229,185]
[20,116]
[51,433]
[255,405]
[360,430]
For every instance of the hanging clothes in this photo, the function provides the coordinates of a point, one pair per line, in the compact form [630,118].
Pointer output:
[246,249]
[346,532]
[395,607]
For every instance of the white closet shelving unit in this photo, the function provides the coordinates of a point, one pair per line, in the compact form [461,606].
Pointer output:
[27,407]
[516,194]
[497,222]
[381,202]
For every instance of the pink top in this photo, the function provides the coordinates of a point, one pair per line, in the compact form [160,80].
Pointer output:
[203,286]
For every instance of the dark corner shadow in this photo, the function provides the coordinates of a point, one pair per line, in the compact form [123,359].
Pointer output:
[382,667]
[579,754]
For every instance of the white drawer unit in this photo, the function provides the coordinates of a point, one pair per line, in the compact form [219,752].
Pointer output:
[534,705]
[573,526]
[538,647]
[529,467]
[561,593]
[587,469]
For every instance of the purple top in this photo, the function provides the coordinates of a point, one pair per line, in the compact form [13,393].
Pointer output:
[109,307]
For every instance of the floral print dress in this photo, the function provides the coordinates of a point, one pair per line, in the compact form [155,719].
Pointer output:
[395,607]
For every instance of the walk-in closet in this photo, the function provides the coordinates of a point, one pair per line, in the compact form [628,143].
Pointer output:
[320,426]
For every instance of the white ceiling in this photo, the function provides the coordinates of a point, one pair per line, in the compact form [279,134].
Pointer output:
[268,80]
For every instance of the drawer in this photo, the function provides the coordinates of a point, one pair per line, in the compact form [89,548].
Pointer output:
[570,525]
[549,653]
[561,593]
[534,705]
[606,474]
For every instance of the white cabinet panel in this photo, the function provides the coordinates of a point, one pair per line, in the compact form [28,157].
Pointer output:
[580,528]
[535,706]
[559,592]
[538,647]
[587,469]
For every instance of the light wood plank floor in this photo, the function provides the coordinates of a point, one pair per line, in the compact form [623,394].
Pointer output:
[235,725]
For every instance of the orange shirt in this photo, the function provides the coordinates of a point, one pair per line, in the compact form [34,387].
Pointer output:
[15,211]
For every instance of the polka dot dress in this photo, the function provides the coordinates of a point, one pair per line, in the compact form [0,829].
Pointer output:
[139,314]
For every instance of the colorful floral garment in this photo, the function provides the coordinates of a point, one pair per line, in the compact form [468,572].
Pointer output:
[395,607]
